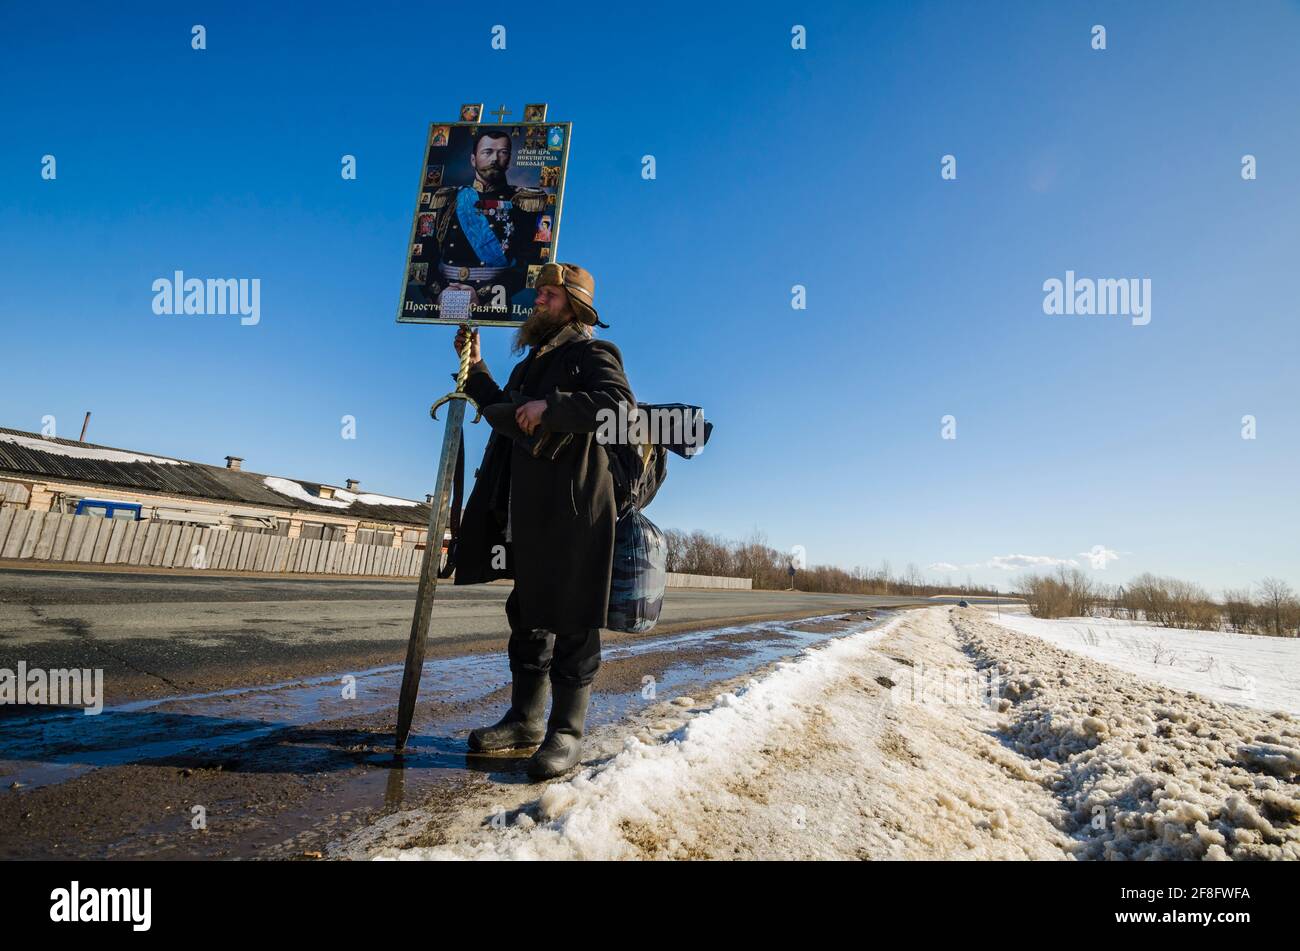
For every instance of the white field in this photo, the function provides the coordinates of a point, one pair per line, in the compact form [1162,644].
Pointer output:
[880,745]
[1254,671]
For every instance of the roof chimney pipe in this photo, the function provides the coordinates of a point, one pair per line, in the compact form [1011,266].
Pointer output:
[353,485]
[234,463]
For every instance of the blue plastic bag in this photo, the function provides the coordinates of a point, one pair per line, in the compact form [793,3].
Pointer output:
[636,591]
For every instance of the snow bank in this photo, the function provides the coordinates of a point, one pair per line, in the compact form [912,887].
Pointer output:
[591,816]
[1247,669]
[811,762]
[1144,770]
[839,755]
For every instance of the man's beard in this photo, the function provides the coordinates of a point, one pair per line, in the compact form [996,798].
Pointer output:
[492,177]
[539,325]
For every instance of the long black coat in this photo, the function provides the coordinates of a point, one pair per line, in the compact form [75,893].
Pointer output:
[562,511]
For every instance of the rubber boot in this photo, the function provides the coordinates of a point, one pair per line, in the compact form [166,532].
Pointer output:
[562,748]
[522,725]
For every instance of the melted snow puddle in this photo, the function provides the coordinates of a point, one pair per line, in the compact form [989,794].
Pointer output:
[54,746]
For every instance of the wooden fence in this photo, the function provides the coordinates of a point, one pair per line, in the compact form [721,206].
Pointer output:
[676,580]
[93,539]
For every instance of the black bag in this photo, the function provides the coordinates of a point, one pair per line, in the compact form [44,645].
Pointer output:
[639,471]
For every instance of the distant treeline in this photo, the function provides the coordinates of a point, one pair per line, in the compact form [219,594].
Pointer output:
[1269,607]
[767,567]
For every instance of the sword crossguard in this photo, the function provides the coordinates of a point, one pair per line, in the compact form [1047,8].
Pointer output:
[478,413]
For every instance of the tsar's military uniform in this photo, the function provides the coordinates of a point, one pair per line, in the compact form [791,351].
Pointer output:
[483,239]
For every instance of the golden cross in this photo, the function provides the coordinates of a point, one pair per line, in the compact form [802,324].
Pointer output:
[500,112]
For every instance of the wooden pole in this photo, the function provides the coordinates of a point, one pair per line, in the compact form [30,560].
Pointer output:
[439,516]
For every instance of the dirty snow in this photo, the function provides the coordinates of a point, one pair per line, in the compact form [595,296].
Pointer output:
[84,452]
[1144,770]
[886,744]
[1255,671]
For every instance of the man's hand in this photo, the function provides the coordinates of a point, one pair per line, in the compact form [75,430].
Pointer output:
[529,415]
[475,355]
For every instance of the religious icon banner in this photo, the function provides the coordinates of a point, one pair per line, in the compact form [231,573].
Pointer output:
[487,218]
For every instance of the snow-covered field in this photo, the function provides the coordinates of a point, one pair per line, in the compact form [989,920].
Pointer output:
[942,735]
[1259,672]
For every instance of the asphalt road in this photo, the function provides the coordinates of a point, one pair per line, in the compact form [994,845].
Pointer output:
[159,634]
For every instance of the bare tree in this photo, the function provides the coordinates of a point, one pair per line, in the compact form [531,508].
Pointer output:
[1277,598]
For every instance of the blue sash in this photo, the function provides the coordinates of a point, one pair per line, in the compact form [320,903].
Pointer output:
[478,231]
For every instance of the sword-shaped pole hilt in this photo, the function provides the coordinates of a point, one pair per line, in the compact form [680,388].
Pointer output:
[462,374]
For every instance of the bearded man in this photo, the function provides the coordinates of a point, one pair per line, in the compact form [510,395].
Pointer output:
[546,519]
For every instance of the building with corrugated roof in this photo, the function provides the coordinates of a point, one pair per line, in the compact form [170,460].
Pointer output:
[47,474]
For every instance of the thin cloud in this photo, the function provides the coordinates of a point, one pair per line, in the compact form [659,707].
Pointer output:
[1021,562]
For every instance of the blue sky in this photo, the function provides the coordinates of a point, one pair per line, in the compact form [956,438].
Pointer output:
[775,167]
